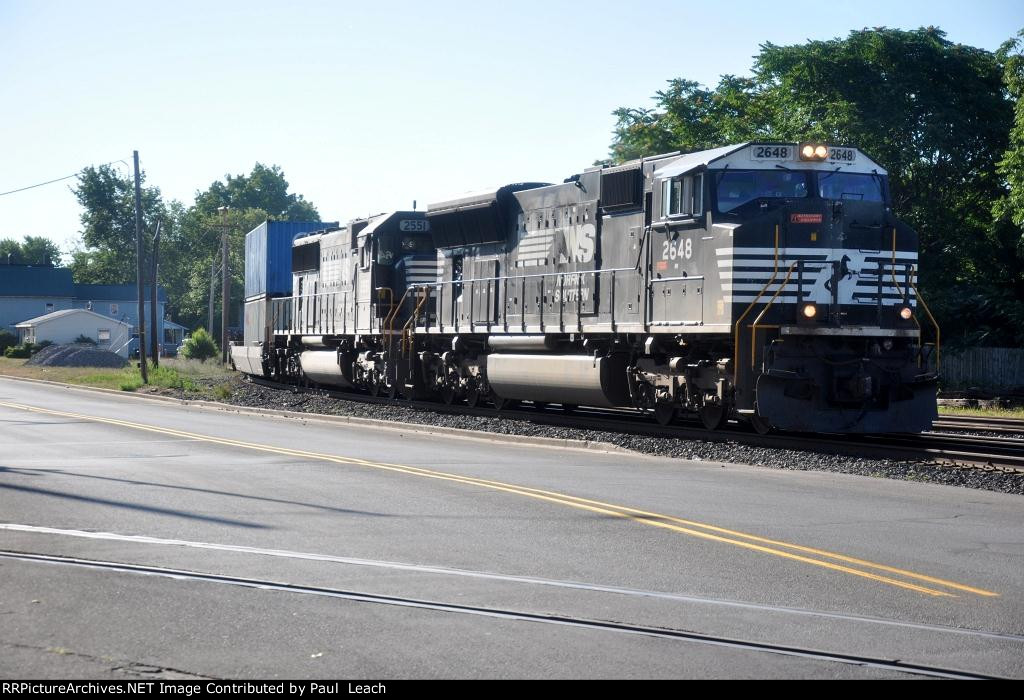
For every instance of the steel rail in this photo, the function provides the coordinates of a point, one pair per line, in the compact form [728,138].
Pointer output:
[894,665]
[953,451]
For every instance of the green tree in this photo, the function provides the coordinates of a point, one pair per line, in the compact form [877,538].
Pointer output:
[1002,299]
[200,346]
[106,254]
[264,188]
[936,114]
[34,250]
[234,206]
[200,234]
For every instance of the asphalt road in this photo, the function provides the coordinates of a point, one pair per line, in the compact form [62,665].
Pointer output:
[178,541]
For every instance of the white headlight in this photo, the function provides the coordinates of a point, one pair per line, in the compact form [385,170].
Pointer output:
[906,313]
[810,310]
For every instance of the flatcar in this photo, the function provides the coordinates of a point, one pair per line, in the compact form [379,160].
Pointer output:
[765,282]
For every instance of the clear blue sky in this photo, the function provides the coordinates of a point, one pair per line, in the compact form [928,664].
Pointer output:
[369,105]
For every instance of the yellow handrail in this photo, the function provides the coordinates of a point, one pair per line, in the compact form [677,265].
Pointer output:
[406,332]
[938,333]
[895,282]
[393,310]
[754,326]
[392,314]
[903,291]
[736,341]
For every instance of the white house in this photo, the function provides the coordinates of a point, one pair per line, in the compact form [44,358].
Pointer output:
[66,326]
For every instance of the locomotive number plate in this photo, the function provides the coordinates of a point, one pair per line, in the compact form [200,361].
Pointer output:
[413,225]
[842,155]
[771,153]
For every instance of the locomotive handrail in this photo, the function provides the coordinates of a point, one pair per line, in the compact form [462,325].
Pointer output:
[905,291]
[389,321]
[736,339]
[406,332]
[754,326]
[391,297]
[559,278]
[539,274]
[684,278]
[938,333]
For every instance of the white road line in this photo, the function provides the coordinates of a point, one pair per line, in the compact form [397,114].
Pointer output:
[486,575]
[102,442]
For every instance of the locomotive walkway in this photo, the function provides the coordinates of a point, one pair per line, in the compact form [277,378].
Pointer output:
[139,534]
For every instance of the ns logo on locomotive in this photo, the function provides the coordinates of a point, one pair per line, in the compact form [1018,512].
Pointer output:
[766,282]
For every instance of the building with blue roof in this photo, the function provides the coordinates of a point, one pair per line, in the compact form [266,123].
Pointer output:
[29,291]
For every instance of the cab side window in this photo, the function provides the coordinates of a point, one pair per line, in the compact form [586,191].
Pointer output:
[683,196]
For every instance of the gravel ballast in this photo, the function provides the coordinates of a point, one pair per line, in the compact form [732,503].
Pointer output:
[258,396]
[76,355]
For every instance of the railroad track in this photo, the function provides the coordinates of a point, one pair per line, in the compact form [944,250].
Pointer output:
[590,624]
[941,449]
[968,424]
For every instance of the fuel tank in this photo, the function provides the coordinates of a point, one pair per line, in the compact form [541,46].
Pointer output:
[565,379]
[322,367]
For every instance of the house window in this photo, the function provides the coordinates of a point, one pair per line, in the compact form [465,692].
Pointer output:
[114,310]
[103,335]
[49,308]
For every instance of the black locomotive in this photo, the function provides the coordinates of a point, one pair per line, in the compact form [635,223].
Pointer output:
[768,282]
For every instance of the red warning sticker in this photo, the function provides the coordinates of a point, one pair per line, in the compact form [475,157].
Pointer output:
[805,218]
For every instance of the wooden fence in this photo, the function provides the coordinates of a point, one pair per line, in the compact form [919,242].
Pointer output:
[986,368]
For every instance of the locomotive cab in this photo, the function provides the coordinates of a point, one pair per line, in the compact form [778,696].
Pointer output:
[394,252]
[815,277]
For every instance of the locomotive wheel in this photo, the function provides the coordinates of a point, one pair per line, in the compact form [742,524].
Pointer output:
[393,391]
[761,425]
[504,404]
[713,416]
[375,388]
[665,413]
[472,396]
[448,395]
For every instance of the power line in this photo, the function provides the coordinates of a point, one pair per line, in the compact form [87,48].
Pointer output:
[59,179]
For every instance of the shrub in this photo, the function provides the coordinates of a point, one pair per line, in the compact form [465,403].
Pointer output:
[19,352]
[131,383]
[200,346]
[7,339]
[170,379]
[85,340]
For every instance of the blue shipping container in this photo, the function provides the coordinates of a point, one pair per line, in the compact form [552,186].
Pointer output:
[268,255]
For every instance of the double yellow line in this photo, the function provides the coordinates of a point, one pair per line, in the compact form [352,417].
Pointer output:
[882,573]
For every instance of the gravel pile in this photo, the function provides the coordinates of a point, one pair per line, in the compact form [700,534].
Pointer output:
[254,395]
[76,356]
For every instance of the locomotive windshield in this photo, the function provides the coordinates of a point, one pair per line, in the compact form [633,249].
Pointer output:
[736,188]
[863,187]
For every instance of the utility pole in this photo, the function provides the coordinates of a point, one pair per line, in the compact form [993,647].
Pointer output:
[225,299]
[213,292]
[157,340]
[225,292]
[138,271]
